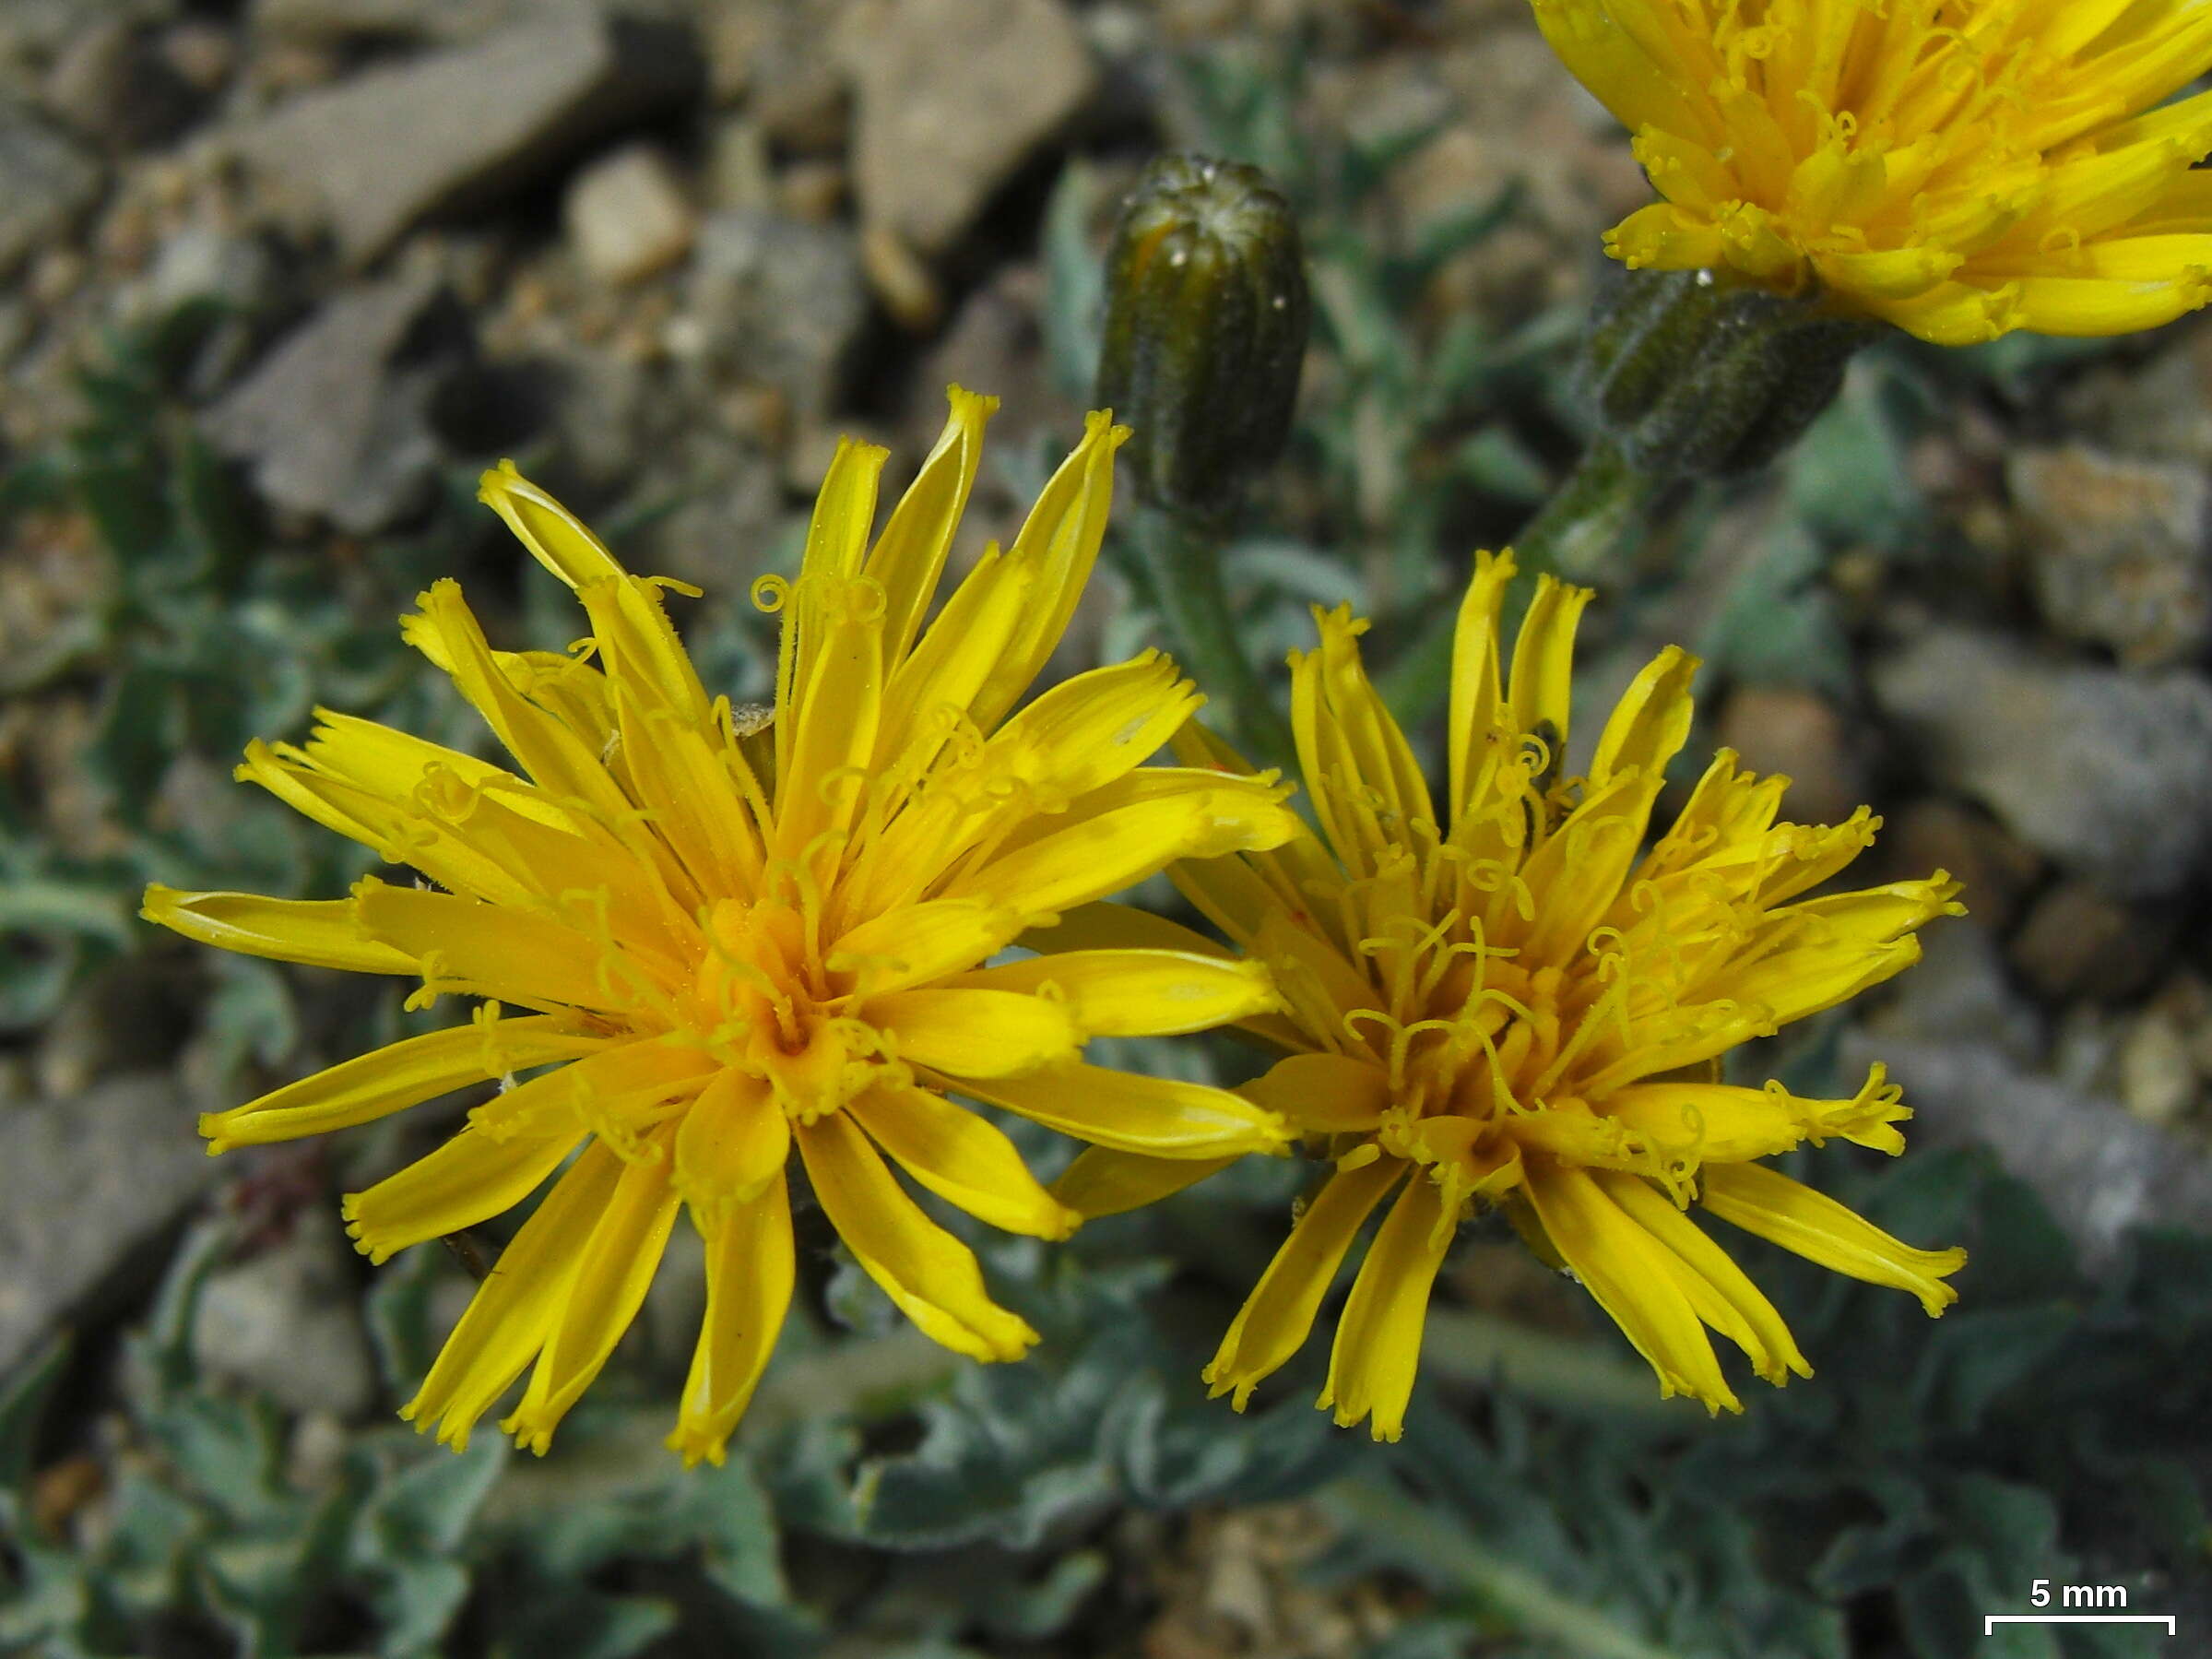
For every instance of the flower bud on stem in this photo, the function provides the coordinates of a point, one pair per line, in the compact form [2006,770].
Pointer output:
[1205,334]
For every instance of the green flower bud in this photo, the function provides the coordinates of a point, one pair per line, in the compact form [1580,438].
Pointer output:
[1696,375]
[1205,329]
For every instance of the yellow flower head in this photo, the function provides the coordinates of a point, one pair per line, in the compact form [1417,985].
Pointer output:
[735,941]
[1505,1004]
[1959,168]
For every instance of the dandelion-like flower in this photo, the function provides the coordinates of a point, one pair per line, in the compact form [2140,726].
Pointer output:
[736,943]
[1958,168]
[1507,1006]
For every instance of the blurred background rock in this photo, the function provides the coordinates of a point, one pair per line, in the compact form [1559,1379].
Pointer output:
[278,276]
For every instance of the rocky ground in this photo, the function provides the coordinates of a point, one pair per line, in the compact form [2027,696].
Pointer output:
[278,276]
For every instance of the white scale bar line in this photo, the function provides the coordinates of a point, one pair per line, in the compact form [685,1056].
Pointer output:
[1990,1621]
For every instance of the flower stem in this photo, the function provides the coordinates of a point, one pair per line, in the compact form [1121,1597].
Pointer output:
[1583,527]
[1182,565]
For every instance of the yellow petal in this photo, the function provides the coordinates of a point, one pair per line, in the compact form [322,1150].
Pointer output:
[1104,926]
[732,1144]
[975,1033]
[938,685]
[555,537]
[837,538]
[1324,1094]
[1792,1214]
[1377,1346]
[1540,689]
[1477,698]
[1058,541]
[1721,1123]
[1105,1182]
[963,1159]
[487,949]
[1088,730]
[1652,721]
[909,557]
[1613,1257]
[614,1093]
[828,734]
[472,1177]
[932,1277]
[1160,1116]
[393,763]
[319,932]
[750,1264]
[507,1319]
[393,1078]
[617,1269]
[914,944]
[1107,853]
[1274,1322]
[1139,992]
[1748,1319]
[1356,761]
[560,759]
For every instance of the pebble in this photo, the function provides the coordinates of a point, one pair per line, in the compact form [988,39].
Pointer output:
[202,55]
[2117,550]
[900,280]
[2107,773]
[807,112]
[463,126]
[627,216]
[815,190]
[951,97]
[1798,733]
[2079,942]
[2158,1076]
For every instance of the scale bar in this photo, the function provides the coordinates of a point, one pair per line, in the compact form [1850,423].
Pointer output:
[1990,1621]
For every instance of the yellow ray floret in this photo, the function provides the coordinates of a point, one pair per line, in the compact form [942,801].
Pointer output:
[737,948]
[1508,999]
[1959,168]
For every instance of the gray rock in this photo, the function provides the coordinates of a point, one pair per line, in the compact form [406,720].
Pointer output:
[777,302]
[2101,1171]
[2118,550]
[328,424]
[951,98]
[86,1184]
[49,182]
[2106,772]
[288,1322]
[462,128]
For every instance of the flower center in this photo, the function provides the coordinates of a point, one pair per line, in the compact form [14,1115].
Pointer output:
[762,1003]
